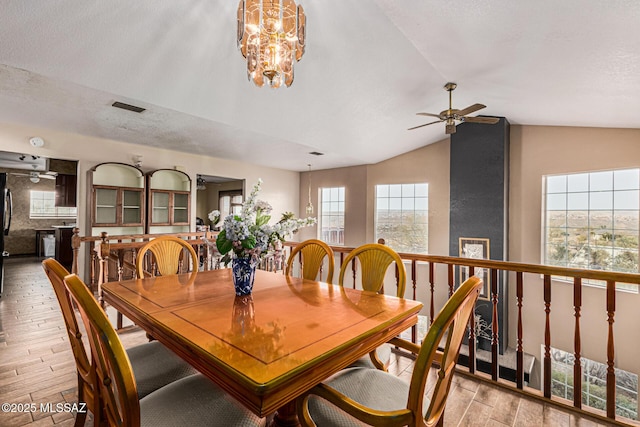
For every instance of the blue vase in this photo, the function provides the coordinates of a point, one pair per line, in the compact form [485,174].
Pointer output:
[243,272]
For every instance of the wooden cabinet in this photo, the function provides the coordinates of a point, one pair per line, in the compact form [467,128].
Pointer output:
[169,207]
[66,190]
[117,206]
[169,201]
[64,250]
[118,199]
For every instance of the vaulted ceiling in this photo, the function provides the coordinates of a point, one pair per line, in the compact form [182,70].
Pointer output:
[369,67]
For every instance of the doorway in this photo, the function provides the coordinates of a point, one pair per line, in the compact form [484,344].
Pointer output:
[217,193]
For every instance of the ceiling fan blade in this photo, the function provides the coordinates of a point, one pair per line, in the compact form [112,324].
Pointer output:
[483,120]
[470,109]
[437,116]
[46,176]
[426,124]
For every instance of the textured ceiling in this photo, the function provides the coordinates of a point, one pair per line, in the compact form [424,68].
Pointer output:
[369,67]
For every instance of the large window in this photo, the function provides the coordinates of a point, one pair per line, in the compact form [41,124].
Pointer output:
[594,391]
[592,220]
[402,216]
[332,215]
[43,205]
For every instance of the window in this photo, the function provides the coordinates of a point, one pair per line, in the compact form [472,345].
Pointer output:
[43,205]
[592,221]
[594,392]
[332,215]
[402,216]
[229,202]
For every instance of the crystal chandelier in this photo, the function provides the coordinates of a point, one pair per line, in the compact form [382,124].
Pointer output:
[271,36]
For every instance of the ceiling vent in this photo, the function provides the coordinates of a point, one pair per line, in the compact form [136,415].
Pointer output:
[316,153]
[129,107]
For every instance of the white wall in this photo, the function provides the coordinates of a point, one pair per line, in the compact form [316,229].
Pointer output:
[280,187]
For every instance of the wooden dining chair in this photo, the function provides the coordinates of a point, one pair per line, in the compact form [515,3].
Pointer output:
[375,259]
[361,396]
[193,400]
[313,253]
[167,257]
[153,364]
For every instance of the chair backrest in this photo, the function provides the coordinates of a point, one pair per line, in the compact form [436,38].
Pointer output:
[86,375]
[118,393]
[313,253]
[452,321]
[374,261]
[167,251]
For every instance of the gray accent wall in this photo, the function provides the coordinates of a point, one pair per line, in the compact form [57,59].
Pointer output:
[479,191]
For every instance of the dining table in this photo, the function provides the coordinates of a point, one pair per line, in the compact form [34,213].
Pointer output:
[269,347]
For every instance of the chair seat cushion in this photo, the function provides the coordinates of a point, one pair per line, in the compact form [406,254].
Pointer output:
[384,354]
[370,387]
[155,366]
[194,401]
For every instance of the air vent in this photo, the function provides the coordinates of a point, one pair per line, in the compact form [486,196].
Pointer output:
[316,153]
[128,107]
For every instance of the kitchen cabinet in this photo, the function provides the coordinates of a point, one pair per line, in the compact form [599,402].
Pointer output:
[64,250]
[66,190]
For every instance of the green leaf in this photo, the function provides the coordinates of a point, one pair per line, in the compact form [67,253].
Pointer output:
[223,244]
[262,220]
[249,242]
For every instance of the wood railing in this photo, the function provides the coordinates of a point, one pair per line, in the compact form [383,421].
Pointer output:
[433,275]
[440,272]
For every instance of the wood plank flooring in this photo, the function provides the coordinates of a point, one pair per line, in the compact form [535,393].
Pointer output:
[37,366]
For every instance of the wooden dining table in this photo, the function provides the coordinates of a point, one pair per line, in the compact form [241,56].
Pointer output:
[267,348]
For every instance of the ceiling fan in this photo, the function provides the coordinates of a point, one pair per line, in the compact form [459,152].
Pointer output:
[452,115]
[35,176]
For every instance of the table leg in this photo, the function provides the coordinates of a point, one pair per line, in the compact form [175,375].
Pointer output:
[286,416]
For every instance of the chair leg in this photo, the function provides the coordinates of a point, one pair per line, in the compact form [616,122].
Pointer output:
[80,416]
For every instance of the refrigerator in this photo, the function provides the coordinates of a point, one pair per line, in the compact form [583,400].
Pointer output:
[5,214]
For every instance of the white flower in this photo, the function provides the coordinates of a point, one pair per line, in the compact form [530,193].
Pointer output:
[249,233]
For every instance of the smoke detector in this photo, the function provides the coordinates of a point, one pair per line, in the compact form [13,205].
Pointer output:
[36,141]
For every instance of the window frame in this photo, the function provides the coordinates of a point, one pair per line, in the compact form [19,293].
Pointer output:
[406,198]
[339,217]
[59,212]
[594,197]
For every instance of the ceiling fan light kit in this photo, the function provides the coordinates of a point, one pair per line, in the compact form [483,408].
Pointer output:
[453,115]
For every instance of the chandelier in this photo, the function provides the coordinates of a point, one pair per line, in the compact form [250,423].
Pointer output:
[271,36]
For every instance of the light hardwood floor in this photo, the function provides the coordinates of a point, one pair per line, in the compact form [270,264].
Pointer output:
[37,366]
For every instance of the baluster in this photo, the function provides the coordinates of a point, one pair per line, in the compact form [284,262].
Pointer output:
[414,269]
[450,279]
[577,365]
[353,271]
[494,325]
[519,349]
[432,309]
[472,333]
[547,337]
[611,373]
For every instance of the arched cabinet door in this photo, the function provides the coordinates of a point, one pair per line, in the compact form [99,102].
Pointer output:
[118,196]
[169,201]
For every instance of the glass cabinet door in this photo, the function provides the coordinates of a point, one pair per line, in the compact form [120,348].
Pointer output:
[106,206]
[131,207]
[180,208]
[160,207]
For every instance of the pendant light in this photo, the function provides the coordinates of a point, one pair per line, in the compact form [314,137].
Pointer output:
[309,208]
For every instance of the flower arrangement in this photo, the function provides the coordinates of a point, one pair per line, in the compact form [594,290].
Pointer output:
[249,235]
[214,217]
